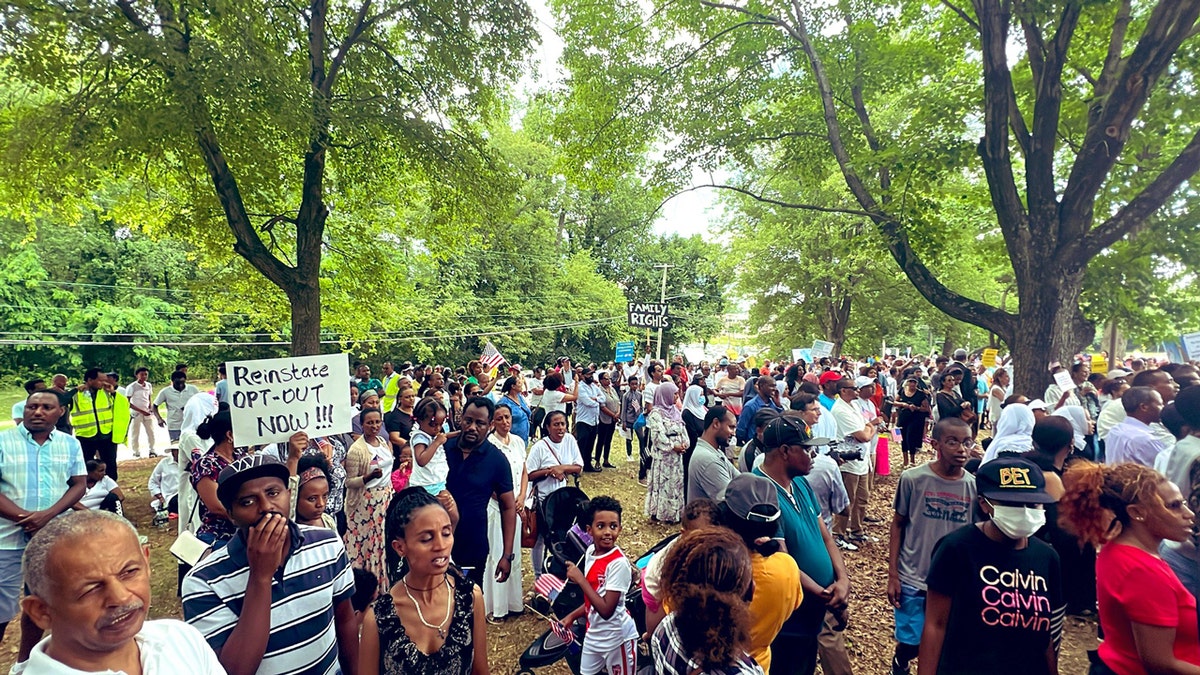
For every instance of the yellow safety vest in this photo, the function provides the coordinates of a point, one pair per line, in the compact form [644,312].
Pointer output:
[92,415]
[390,391]
[121,418]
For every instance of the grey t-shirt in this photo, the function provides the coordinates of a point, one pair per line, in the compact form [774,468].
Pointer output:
[709,473]
[935,507]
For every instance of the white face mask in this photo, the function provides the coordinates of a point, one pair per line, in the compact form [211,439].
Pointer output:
[1017,522]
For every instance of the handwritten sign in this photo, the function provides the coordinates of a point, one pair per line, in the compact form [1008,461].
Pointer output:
[1063,379]
[648,315]
[271,399]
[989,358]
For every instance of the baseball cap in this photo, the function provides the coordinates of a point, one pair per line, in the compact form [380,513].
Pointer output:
[1012,479]
[863,381]
[723,362]
[830,376]
[1036,404]
[246,469]
[1117,372]
[790,430]
[752,498]
[912,378]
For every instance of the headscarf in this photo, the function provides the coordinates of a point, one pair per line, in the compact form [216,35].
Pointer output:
[197,408]
[1014,432]
[664,401]
[693,400]
[1079,423]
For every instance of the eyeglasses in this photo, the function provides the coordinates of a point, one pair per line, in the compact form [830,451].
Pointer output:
[969,444]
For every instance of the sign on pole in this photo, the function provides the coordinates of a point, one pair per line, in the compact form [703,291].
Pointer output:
[648,315]
[624,352]
[989,358]
[821,349]
[1191,345]
[272,399]
[1099,364]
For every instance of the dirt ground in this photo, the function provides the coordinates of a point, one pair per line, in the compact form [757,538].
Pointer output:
[869,636]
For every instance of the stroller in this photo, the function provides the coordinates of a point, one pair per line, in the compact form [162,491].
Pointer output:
[567,541]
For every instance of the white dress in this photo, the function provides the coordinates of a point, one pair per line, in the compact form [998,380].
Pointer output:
[499,599]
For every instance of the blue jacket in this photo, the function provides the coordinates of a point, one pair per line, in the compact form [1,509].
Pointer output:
[745,427]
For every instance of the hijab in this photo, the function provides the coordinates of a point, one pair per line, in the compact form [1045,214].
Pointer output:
[664,401]
[1014,432]
[693,401]
[1079,423]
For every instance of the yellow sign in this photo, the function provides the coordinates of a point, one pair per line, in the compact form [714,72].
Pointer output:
[751,362]
[989,358]
[732,354]
[1099,364]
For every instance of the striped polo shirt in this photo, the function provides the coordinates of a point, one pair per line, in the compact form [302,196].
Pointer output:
[315,577]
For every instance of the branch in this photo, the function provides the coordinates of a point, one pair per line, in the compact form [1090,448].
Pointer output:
[763,199]
[360,24]
[1112,60]
[1135,213]
[1040,180]
[965,17]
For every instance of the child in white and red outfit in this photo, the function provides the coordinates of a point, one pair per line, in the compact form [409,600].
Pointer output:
[611,639]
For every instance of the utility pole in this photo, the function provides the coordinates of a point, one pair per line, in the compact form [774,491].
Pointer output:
[663,300]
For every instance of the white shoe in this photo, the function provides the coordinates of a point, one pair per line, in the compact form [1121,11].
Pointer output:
[845,545]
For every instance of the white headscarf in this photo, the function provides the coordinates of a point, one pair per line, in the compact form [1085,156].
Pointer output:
[198,407]
[1013,432]
[693,401]
[1079,423]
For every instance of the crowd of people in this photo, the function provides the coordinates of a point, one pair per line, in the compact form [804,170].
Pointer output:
[390,548]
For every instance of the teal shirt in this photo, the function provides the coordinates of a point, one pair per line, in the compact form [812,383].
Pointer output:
[799,527]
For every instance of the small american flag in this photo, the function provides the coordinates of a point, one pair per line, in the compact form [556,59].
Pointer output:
[562,632]
[491,357]
[549,586]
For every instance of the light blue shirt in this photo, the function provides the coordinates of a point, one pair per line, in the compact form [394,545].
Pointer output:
[34,476]
[587,408]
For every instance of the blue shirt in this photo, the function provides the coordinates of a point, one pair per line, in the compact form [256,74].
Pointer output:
[520,416]
[221,391]
[472,480]
[34,476]
[826,401]
[745,427]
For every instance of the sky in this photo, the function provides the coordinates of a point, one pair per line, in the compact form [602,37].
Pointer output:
[687,214]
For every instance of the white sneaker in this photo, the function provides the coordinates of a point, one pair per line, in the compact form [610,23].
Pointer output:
[845,545]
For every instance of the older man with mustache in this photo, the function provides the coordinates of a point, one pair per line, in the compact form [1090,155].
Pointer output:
[89,587]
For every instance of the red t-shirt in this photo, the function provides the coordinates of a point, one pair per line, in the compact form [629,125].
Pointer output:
[1134,586]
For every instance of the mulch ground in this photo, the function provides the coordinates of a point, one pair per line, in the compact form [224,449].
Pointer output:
[868,637]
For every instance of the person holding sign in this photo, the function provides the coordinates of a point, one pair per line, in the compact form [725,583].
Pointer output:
[368,492]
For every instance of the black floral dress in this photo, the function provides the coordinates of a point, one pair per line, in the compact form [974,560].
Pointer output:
[398,654]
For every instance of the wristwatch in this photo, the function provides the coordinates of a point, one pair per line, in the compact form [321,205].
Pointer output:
[511,557]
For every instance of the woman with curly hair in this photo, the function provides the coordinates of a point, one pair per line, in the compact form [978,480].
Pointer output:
[1148,617]
[708,580]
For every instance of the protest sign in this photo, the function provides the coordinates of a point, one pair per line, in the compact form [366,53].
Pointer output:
[989,358]
[1063,379]
[1099,364]
[821,348]
[624,352]
[1191,345]
[271,399]
[648,315]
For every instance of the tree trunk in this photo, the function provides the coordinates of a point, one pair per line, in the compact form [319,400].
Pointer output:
[305,298]
[1049,327]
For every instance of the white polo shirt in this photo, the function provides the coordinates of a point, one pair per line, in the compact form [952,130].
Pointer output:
[167,646]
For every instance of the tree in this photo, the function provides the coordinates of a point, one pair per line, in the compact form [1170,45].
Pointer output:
[1074,154]
[288,111]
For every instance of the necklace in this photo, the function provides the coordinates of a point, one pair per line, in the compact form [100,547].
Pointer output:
[420,615]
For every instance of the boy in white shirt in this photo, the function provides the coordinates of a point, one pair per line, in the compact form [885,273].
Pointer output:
[611,639]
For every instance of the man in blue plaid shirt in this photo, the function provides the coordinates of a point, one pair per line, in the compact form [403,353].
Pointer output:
[42,474]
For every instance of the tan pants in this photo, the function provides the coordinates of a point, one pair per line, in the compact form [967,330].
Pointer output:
[858,490]
[831,648]
[145,424]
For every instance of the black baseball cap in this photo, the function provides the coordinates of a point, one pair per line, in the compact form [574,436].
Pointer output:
[788,429]
[246,469]
[1012,479]
[752,498]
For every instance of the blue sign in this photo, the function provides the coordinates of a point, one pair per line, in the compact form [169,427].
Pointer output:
[624,352]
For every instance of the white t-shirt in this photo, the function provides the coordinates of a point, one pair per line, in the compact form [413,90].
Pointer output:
[432,475]
[605,635]
[167,647]
[535,400]
[96,494]
[543,456]
[553,400]
[850,421]
[648,392]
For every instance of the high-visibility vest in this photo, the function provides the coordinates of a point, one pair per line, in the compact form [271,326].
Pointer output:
[92,415]
[121,418]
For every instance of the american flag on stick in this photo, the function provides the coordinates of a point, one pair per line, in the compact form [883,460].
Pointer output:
[549,586]
[491,357]
[562,632]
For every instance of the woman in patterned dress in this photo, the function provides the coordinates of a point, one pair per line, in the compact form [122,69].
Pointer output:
[668,442]
[368,491]
[431,621]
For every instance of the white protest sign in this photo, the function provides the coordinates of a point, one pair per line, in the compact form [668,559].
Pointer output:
[1063,379]
[1191,345]
[271,399]
[821,348]
[797,354]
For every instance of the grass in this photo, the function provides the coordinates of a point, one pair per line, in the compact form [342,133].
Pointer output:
[9,396]
[868,639]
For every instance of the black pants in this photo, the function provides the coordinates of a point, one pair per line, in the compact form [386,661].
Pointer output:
[101,447]
[112,504]
[474,569]
[604,436]
[585,435]
[173,505]
[643,437]
[793,655]
[912,436]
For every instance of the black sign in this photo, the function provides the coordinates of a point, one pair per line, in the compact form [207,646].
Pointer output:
[648,315]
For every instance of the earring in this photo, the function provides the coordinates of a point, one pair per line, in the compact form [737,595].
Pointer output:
[1139,519]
